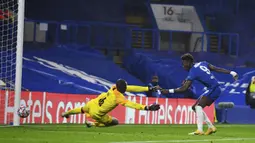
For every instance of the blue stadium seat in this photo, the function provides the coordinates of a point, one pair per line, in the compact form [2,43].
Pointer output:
[63,70]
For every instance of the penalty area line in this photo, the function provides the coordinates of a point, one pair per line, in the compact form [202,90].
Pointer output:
[126,126]
[185,141]
[35,140]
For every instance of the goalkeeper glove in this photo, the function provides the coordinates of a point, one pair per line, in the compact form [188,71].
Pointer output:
[153,107]
[154,88]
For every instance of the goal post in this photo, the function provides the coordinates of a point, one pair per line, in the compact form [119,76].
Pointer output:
[19,58]
[11,55]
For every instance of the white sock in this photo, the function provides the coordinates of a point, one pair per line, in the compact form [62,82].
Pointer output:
[200,118]
[207,120]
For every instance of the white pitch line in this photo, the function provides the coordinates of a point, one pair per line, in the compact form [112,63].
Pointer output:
[131,125]
[185,141]
[36,140]
[5,126]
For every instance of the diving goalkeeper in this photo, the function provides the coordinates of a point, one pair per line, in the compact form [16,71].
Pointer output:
[99,107]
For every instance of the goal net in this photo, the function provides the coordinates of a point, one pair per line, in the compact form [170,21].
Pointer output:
[11,48]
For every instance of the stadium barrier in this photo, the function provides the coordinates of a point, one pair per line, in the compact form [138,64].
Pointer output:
[122,36]
[91,34]
[227,41]
[47,108]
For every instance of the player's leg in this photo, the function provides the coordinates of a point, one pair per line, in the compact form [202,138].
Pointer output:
[210,99]
[114,121]
[67,114]
[205,100]
[107,121]
[77,110]
[202,102]
[104,121]
[92,123]
[197,107]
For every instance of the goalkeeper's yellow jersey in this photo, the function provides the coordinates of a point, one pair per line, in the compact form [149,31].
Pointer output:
[107,101]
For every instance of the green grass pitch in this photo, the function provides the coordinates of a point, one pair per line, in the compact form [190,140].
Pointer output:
[70,133]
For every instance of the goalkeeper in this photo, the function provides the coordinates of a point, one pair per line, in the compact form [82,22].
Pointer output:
[99,107]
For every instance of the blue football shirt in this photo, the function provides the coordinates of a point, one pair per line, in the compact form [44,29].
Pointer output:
[201,73]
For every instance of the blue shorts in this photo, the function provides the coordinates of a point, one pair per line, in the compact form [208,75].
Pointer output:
[212,93]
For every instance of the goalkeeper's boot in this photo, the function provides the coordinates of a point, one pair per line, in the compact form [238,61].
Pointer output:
[64,115]
[211,130]
[197,132]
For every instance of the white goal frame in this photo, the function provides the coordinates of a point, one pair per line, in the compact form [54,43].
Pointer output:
[19,58]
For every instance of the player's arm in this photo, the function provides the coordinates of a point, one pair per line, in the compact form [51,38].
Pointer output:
[222,70]
[218,69]
[134,88]
[183,88]
[123,101]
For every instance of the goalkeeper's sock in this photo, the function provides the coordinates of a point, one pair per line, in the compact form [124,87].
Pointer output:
[207,120]
[74,111]
[200,118]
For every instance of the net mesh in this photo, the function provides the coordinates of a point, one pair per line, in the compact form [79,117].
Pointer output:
[8,42]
